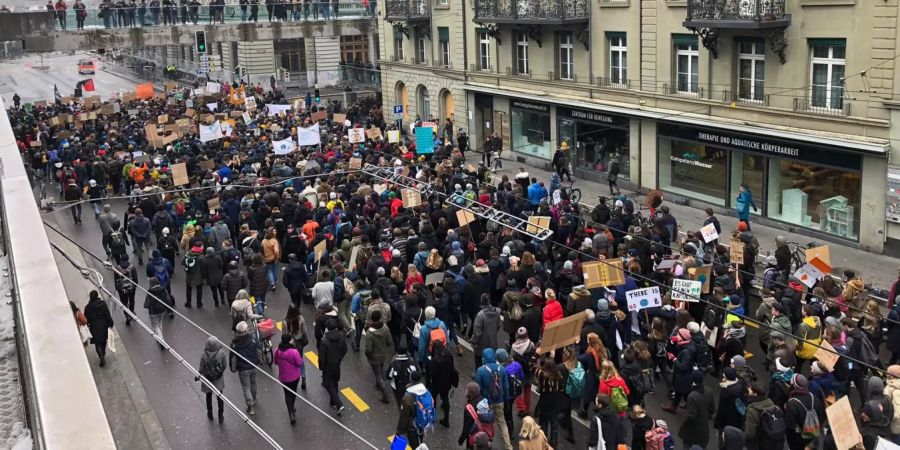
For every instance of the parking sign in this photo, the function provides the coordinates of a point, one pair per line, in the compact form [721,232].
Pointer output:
[398,109]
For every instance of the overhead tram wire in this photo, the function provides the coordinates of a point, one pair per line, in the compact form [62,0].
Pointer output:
[98,283]
[204,331]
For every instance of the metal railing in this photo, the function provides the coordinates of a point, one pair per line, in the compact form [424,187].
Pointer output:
[605,82]
[746,10]
[672,89]
[729,96]
[196,14]
[515,73]
[349,74]
[407,9]
[540,10]
[61,396]
[837,108]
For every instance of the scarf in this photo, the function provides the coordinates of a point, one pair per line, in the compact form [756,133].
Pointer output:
[521,345]
[783,376]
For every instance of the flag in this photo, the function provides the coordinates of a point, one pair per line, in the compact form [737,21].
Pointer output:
[88,84]
[56,94]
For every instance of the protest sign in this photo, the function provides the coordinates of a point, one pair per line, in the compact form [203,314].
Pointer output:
[211,132]
[562,333]
[424,140]
[212,204]
[207,164]
[339,118]
[639,299]
[212,87]
[393,136]
[709,233]
[246,117]
[227,127]
[812,271]
[702,273]
[537,224]
[609,272]
[274,110]
[822,253]
[184,125]
[353,255]
[179,174]
[319,115]
[356,135]
[842,422]
[355,163]
[736,254]
[826,355]
[464,217]
[434,278]
[284,147]
[250,103]
[884,444]
[162,119]
[107,109]
[54,121]
[373,133]
[379,188]
[309,136]
[319,249]
[686,290]
[170,86]
[411,198]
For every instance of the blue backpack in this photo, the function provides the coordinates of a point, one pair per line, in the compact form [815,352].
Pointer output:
[162,275]
[425,417]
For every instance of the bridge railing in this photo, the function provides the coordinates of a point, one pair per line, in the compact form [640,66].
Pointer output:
[137,17]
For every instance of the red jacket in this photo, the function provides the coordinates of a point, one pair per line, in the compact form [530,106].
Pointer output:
[607,385]
[552,312]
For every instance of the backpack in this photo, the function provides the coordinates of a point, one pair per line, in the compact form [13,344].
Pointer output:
[496,387]
[703,358]
[811,427]
[619,399]
[436,334]
[191,264]
[124,285]
[516,386]
[575,382]
[417,328]
[643,382]
[515,313]
[165,246]
[479,427]
[740,407]
[213,369]
[425,418]
[247,251]
[772,425]
[349,287]
[162,275]
[117,239]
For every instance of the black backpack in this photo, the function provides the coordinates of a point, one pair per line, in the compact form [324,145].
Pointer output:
[703,358]
[772,426]
[124,285]
[117,239]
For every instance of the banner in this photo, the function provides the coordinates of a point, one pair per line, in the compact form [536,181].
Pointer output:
[424,140]
[210,132]
[144,91]
[639,299]
[356,135]
[274,110]
[309,136]
[283,147]
[686,290]
[393,136]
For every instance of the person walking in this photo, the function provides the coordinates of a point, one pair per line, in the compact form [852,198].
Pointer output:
[259,283]
[99,322]
[561,161]
[294,279]
[486,329]
[612,175]
[290,371]
[743,203]
[700,409]
[399,371]
[531,437]
[494,384]
[444,377]
[416,396]
[332,350]
[140,229]
[109,223]
[125,279]
[271,254]
[212,367]
[155,304]
[72,193]
[379,347]
[213,269]
[234,281]
[245,345]
[193,269]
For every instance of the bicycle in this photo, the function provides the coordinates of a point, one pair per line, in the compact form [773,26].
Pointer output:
[264,330]
[571,192]
[798,254]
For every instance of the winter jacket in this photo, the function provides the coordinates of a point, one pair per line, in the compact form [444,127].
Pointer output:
[290,364]
[893,330]
[155,307]
[213,353]
[509,299]
[259,281]
[212,269]
[246,346]
[533,322]
[552,312]
[795,414]
[332,349]
[579,300]
[406,420]
[613,430]
[892,392]
[810,330]
[727,414]
[193,268]
[379,347]
[99,319]
[484,377]
[755,439]
[606,387]
[294,278]
[271,250]
[425,336]
[234,281]
[486,329]
[695,428]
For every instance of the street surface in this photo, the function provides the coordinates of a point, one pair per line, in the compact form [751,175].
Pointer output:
[23,76]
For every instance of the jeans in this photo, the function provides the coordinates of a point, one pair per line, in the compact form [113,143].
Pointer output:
[272,272]
[96,206]
[243,14]
[139,245]
[217,293]
[156,324]
[76,212]
[261,304]
[500,419]
[325,11]
[289,396]
[248,385]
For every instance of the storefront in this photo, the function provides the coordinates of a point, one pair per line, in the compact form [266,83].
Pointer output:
[813,186]
[596,138]
[531,129]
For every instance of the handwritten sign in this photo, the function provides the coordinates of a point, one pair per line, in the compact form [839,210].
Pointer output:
[355,163]
[537,224]
[709,233]
[393,136]
[162,119]
[319,249]
[319,115]
[464,217]
[843,424]
[702,274]
[179,174]
[686,290]
[356,135]
[563,332]
[826,355]
[339,118]
[639,299]
[411,198]
[373,133]
[610,272]
[736,254]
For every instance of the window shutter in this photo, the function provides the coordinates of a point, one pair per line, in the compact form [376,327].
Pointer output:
[443,34]
[830,42]
[684,39]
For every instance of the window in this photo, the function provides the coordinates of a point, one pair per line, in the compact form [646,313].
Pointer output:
[618,53]
[444,40]
[566,57]
[355,48]
[827,73]
[442,2]
[484,50]
[294,61]
[522,53]
[398,45]
[751,70]
[687,59]
[420,50]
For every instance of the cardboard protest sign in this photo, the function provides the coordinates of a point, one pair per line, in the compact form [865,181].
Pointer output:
[393,136]
[339,118]
[356,135]
[434,278]
[373,133]
[184,125]
[822,253]
[250,103]
[171,86]
[702,273]
[843,424]
[464,217]
[211,132]
[93,101]
[212,204]
[107,109]
[152,135]
[639,299]
[190,112]
[537,224]
[247,118]
[319,249]
[92,115]
[180,174]
[353,255]
[162,119]
[54,121]
[128,97]
[319,115]
[686,290]
[709,233]
[827,355]
[83,117]
[563,332]
[812,271]
[736,254]
[411,198]
[207,164]
[355,163]
[609,272]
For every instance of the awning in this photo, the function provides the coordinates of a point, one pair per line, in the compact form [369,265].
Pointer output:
[871,148]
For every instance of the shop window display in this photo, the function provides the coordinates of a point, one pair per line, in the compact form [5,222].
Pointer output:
[531,133]
[819,197]
[694,170]
[595,142]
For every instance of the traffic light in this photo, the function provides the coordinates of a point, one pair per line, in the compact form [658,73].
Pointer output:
[317,96]
[200,40]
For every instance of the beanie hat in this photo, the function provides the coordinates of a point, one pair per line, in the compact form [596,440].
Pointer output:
[781,367]
[523,333]
[730,373]
[738,361]
[501,355]
[800,381]
[693,327]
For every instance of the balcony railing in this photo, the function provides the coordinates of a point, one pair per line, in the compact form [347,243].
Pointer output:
[747,14]
[407,10]
[547,12]
[613,83]
[836,107]
[729,96]
[674,89]
[353,75]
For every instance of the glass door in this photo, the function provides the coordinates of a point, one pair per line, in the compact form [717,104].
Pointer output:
[748,169]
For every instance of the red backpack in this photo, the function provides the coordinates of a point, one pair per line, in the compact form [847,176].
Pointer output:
[436,334]
[480,427]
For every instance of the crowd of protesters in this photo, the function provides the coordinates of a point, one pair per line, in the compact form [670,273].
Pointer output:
[406,283]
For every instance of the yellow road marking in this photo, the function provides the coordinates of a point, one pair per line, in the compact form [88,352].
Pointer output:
[313,358]
[391,440]
[748,355]
[357,402]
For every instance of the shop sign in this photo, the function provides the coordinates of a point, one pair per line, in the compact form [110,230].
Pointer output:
[530,106]
[593,116]
[778,148]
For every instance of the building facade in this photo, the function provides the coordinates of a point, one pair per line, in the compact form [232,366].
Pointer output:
[792,98]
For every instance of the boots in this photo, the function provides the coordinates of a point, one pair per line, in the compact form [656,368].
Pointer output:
[101,353]
[293,415]
[303,384]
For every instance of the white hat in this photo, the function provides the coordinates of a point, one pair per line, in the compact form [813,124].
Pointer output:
[452,260]
[165,231]
[332,196]
[92,183]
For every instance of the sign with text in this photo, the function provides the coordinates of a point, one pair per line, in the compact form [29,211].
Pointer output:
[180,174]
[686,290]
[411,198]
[537,224]
[393,136]
[610,272]
[709,233]
[319,115]
[703,274]
[339,118]
[319,249]
[424,140]
[355,163]
[464,217]
[356,135]
[639,299]
[736,254]
[822,253]
[373,133]
[843,424]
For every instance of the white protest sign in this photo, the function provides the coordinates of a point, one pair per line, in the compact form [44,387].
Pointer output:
[639,299]
[212,87]
[273,110]
[226,129]
[709,233]
[356,135]
[393,136]
[686,290]
[309,136]
[213,106]
[210,132]
[557,197]
[246,117]
[284,147]
[197,92]
[811,272]
[250,103]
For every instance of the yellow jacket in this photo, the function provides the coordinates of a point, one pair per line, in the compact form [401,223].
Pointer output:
[811,332]
[271,250]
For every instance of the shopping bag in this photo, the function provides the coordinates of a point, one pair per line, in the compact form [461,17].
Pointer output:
[399,443]
[111,340]
[85,334]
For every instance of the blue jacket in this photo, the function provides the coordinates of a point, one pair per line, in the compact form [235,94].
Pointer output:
[743,204]
[535,193]
[425,336]
[483,378]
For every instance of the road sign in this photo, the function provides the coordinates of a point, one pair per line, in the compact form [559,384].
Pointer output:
[398,109]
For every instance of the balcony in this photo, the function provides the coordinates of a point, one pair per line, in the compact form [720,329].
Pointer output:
[407,11]
[728,14]
[532,12]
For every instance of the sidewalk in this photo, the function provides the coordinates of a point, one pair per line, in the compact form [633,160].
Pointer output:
[879,271]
